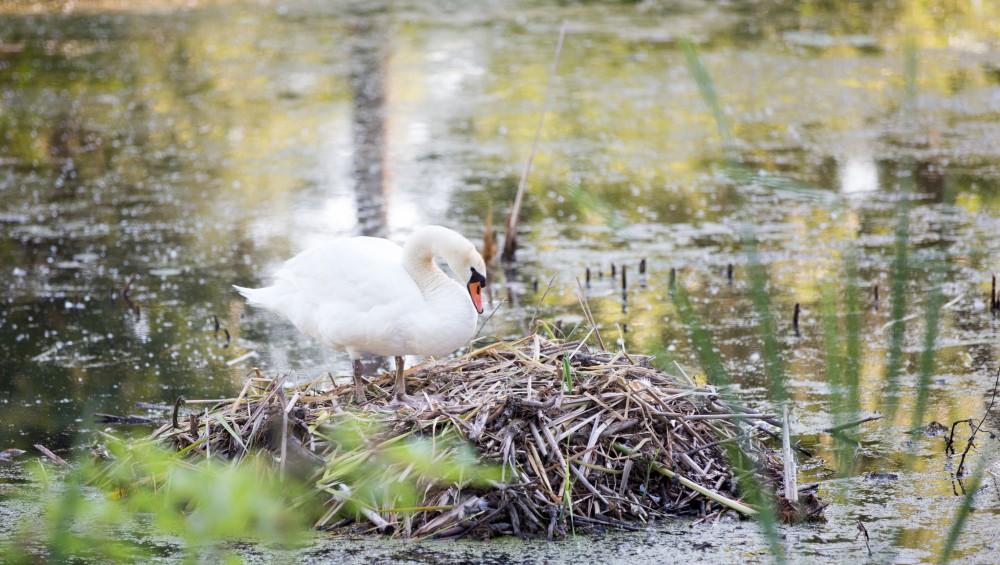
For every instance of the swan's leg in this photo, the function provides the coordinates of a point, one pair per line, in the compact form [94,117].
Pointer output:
[399,389]
[359,382]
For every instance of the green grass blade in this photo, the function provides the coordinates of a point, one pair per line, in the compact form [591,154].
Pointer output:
[743,466]
[708,356]
[708,93]
[834,362]
[767,329]
[852,362]
[737,173]
[567,375]
[900,276]
[900,262]
[933,317]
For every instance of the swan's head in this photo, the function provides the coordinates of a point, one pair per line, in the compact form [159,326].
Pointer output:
[468,265]
[459,253]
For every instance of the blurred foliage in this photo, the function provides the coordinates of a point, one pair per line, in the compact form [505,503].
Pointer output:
[370,469]
[109,508]
[204,505]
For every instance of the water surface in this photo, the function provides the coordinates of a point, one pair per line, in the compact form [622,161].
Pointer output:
[152,156]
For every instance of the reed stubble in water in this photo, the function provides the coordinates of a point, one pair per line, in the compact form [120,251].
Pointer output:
[795,319]
[994,299]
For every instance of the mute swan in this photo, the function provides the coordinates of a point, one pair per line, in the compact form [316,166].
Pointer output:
[369,295]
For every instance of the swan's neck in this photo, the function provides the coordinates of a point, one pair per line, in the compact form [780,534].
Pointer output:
[447,319]
[418,260]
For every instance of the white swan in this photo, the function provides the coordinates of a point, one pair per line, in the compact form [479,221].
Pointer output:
[369,295]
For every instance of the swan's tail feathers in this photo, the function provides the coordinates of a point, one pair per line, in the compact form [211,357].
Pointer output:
[256,296]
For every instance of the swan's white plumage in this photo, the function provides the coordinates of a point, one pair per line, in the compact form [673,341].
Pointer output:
[368,295]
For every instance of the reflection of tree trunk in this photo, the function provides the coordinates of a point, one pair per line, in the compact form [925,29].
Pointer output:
[368,127]
[929,179]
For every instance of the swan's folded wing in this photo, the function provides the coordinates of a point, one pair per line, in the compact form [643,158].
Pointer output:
[346,290]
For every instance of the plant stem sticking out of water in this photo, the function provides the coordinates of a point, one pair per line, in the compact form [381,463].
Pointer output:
[962,514]
[863,531]
[972,437]
[993,298]
[510,239]
[489,250]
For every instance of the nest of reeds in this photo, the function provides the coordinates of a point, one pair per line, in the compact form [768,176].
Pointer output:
[583,440]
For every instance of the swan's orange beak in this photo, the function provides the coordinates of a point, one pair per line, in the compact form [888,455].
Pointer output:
[475,291]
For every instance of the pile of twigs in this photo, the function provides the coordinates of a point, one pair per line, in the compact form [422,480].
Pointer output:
[583,439]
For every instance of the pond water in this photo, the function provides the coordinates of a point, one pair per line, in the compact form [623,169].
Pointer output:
[153,153]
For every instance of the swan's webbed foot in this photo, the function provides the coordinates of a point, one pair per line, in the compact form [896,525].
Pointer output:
[401,399]
[418,403]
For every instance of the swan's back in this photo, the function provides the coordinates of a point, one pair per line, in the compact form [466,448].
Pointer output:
[350,293]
